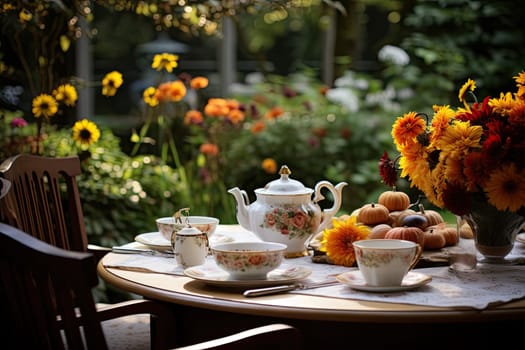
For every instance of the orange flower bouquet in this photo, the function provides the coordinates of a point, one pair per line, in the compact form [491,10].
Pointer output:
[468,152]
[469,161]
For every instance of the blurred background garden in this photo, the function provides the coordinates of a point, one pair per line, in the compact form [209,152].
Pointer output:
[312,84]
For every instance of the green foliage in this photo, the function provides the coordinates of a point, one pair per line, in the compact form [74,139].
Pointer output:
[317,137]
[121,195]
[453,40]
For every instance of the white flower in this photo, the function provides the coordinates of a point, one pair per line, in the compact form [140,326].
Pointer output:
[393,54]
[349,80]
[345,97]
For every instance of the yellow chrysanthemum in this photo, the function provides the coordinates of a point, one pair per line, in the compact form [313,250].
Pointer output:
[520,78]
[149,96]
[470,85]
[460,135]
[407,127]
[503,104]
[111,82]
[166,61]
[506,188]
[85,132]
[67,94]
[440,122]
[338,241]
[44,105]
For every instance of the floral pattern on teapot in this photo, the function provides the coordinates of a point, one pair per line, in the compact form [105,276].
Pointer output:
[290,220]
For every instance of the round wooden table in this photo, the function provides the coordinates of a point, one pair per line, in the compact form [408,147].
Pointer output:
[206,312]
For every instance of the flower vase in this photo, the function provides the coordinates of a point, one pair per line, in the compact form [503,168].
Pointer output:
[494,231]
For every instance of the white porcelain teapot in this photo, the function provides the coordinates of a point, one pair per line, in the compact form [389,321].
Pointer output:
[285,212]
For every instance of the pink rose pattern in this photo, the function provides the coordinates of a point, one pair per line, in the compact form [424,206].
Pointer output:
[291,221]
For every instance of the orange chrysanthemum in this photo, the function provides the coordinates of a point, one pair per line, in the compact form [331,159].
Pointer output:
[338,241]
[407,128]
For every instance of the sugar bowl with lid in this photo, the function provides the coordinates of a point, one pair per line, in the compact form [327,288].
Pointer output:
[285,212]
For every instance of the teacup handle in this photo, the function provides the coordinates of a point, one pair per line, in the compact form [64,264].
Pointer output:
[419,251]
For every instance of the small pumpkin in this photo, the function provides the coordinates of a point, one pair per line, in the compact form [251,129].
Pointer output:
[450,232]
[373,214]
[414,234]
[434,239]
[465,231]
[394,200]
[432,216]
[379,231]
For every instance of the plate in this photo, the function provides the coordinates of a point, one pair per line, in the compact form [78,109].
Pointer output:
[355,280]
[153,240]
[521,237]
[213,275]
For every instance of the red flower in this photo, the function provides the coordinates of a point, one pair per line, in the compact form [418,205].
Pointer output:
[387,170]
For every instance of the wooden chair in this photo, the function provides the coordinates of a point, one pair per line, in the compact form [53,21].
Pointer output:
[44,200]
[46,303]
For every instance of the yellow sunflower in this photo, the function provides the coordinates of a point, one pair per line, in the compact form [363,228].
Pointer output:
[337,241]
[85,132]
[44,105]
[67,94]
[506,188]
[111,82]
[165,61]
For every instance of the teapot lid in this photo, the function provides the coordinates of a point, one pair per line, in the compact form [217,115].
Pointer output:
[189,231]
[284,185]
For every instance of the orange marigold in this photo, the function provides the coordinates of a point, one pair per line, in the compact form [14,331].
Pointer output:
[193,117]
[209,149]
[269,165]
[274,113]
[198,83]
[257,127]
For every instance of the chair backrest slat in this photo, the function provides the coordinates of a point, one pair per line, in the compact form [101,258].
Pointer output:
[44,199]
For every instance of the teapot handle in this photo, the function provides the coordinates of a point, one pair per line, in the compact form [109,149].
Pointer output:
[336,191]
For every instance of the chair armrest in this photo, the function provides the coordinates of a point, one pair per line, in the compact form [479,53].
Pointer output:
[98,251]
[162,318]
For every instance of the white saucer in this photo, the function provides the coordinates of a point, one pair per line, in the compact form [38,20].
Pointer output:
[521,237]
[355,280]
[213,275]
[154,240]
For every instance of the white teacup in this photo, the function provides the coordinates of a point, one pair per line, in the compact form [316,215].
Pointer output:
[385,262]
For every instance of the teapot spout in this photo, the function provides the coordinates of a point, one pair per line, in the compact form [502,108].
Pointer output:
[243,203]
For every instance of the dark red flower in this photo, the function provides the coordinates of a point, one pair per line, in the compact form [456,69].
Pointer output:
[457,199]
[387,170]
